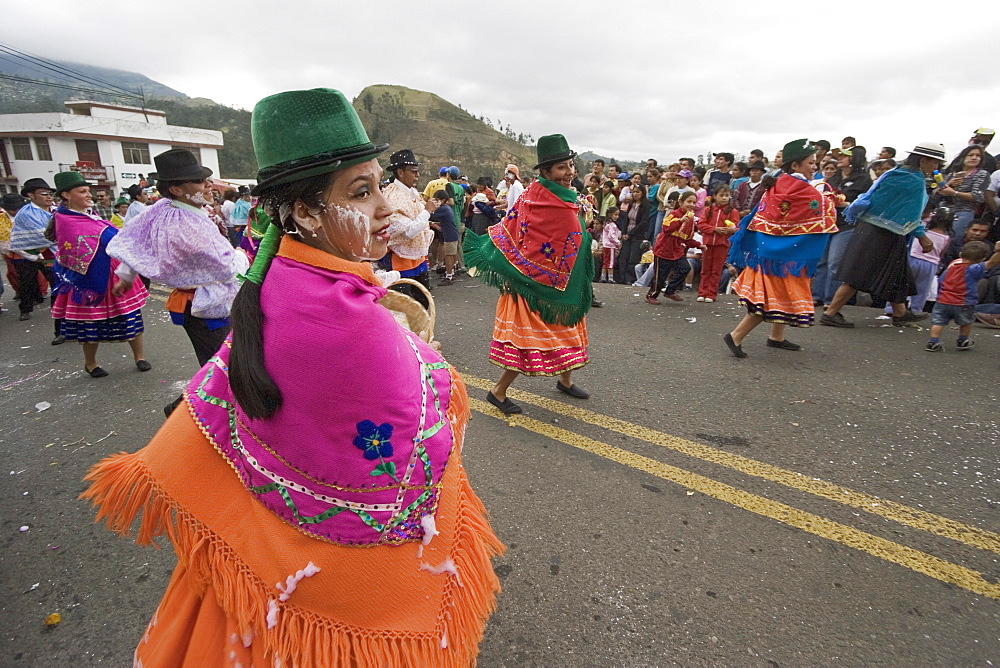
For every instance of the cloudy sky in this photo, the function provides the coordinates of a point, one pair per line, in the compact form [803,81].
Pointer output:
[633,80]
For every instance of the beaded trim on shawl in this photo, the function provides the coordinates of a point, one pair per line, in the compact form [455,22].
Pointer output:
[295,496]
[792,207]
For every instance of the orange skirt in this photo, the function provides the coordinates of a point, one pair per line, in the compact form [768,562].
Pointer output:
[786,300]
[365,606]
[525,343]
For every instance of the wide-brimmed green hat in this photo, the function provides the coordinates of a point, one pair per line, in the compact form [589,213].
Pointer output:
[303,133]
[552,149]
[68,181]
[122,200]
[796,150]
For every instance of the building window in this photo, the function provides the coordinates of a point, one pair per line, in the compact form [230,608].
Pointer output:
[42,147]
[135,153]
[193,149]
[22,148]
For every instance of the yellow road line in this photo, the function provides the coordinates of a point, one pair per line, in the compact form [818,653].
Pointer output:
[820,526]
[897,512]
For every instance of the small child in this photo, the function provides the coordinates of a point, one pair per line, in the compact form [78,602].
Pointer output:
[596,230]
[611,241]
[958,294]
[671,263]
[925,265]
[443,220]
[716,226]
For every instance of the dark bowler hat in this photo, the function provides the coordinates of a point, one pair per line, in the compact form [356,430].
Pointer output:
[179,164]
[11,201]
[797,150]
[69,180]
[303,133]
[402,158]
[552,149]
[31,185]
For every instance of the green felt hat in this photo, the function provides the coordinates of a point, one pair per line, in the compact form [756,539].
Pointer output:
[796,150]
[303,133]
[122,200]
[552,149]
[68,181]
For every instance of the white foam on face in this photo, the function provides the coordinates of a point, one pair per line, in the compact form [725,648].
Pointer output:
[354,228]
[199,198]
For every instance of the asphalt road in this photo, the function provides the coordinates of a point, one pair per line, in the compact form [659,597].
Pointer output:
[837,505]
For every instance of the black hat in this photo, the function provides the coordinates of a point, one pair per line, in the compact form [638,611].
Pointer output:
[179,164]
[402,158]
[134,190]
[243,190]
[757,164]
[11,201]
[31,185]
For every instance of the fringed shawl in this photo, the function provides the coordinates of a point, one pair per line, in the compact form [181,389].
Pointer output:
[406,585]
[28,229]
[787,231]
[540,252]
[82,262]
[895,202]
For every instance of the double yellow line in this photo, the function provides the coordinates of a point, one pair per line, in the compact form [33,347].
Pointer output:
[902,555]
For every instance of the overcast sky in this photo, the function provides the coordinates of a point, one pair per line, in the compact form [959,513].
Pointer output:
[628,79]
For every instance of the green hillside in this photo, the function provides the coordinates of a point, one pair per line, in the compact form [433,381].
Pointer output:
[439,133]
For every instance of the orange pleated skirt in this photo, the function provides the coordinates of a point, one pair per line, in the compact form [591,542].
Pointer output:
[786,300]
[525,343]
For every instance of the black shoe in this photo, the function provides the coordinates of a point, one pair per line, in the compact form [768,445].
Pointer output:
[596,304]
[835,320]
[908,317]
[143,365]
[573,390]
[446,281]
[59,340]
[169,408]
[507,407]
[784,344]
[96,372]
[25,316]
[736,350]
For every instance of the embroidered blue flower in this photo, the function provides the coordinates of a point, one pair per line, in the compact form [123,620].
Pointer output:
[374,439]
[547,249]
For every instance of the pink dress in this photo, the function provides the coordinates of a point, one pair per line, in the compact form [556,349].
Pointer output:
[90,313]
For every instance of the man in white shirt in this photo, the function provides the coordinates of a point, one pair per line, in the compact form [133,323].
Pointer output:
[139,199]
[511,188]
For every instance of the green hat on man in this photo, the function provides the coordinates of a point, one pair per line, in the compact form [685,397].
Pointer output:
[552,149]
[797,150]
[303,133]
[122,200]
[67,181]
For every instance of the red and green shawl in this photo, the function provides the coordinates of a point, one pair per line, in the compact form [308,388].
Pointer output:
[540,251]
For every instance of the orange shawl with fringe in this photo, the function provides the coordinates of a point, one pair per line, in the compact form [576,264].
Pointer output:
[386,605]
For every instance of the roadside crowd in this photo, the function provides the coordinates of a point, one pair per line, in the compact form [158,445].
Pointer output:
[665,227]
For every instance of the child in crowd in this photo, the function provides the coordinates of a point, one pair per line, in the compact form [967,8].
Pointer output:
[596,229]
[611,241]
[925,265]
[702,194]
[717,224]
[644,270]
[958,294]
[443,221]
[606,198]
[671,263]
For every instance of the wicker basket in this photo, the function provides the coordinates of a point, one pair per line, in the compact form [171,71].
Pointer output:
[410,313]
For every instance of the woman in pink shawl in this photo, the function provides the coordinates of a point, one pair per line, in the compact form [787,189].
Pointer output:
[95,304]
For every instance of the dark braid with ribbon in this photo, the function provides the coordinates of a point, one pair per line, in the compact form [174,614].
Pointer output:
[254,389]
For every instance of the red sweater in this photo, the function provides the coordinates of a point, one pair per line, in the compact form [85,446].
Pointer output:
[715,217]
[676,236]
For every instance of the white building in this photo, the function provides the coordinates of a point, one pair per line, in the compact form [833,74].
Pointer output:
[110,144]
